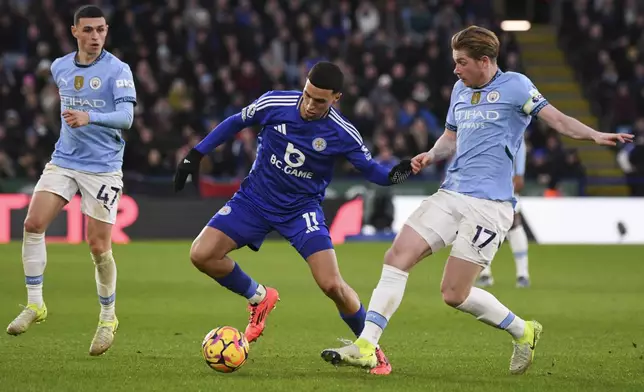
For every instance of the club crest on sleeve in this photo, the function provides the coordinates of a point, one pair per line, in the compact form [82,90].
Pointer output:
[78,82]
[476,98]
[225,210]
[493,96]
[248,112]
[95,83]
[319,144]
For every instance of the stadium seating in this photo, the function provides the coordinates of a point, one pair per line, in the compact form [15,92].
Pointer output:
[195,65]
[604,42]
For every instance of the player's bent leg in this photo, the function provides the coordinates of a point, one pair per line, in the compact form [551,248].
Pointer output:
[408,248]
[325,271]
[458,292]
[99,234]
[209,254]
[518,240]
[43,209]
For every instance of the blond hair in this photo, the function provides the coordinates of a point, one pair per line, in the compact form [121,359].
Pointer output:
[477,42]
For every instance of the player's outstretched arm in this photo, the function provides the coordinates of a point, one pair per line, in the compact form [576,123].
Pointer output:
[575,129]
[189,165]
[374,172]
[443,149]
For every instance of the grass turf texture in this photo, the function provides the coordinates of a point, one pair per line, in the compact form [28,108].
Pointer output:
[590,300]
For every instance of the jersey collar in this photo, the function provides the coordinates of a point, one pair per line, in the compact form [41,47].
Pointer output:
[496,75]
[100,56]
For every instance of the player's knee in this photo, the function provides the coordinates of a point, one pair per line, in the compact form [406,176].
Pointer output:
[199,257]
[453,296]
[98,246]
[34,225]
[398,257]
[202,255]
[392,254]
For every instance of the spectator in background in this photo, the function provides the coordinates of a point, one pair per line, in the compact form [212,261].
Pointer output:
[197,61]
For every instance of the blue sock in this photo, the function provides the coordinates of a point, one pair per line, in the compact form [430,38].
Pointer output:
[238,282]
[356,320]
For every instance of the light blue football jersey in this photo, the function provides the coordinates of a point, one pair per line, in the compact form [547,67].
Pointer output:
[489,122]
[96,87]
[520,159]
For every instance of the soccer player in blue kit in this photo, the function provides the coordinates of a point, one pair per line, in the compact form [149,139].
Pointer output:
[302,135]
[97,98]
[473,210]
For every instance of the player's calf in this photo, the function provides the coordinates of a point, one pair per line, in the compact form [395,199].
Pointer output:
[344,297]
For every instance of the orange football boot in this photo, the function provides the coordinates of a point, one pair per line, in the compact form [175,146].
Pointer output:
[259,313]
[383,367]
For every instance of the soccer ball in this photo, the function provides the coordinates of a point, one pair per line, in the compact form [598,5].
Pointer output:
[225,349]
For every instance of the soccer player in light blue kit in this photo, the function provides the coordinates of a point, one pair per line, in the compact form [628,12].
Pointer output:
[473,210]
[97,97]
[517,237]
[301,138]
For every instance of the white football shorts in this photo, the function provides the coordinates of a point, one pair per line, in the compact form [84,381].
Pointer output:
[100,192]
[474,227]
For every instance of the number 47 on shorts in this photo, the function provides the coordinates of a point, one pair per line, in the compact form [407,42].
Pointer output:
[104,195]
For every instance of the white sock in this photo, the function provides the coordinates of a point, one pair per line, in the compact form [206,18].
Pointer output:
[519,244]
[384,302]
[259,295]
[34,260]
[106,284]
[485,307]
[487,271]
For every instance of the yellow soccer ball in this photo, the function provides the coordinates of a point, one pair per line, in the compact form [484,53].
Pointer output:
[225,349]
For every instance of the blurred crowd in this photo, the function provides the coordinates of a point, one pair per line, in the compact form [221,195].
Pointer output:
[604,40]
[197,62]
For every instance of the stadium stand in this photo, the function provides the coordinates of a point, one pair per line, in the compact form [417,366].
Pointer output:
[196,62]
[604,42]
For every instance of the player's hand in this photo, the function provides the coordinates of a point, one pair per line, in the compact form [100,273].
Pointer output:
[189,165]
[399,173]
[420,161]
[518,182]
[75,118]
[611,139]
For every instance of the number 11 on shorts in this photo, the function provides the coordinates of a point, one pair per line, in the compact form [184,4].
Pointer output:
[311,222]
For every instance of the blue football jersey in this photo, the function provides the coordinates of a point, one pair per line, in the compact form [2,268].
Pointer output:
[96,87]
[489,122]
[295,157]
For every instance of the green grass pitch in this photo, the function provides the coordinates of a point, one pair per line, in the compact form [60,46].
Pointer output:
[590,300]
